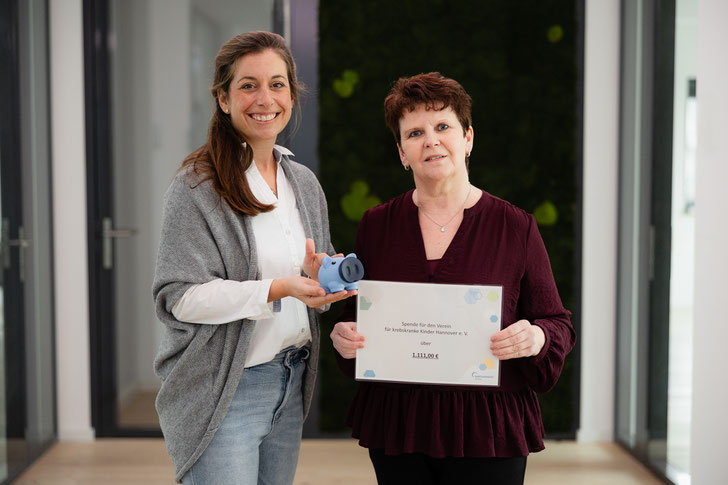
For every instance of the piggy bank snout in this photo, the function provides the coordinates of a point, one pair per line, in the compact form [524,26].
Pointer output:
[351,270]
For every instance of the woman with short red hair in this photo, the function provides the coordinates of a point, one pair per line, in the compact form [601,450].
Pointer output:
[448,231]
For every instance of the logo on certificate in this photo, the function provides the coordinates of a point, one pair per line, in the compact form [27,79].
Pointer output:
[486,365]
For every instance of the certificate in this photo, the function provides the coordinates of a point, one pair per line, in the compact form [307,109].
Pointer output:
[428,333]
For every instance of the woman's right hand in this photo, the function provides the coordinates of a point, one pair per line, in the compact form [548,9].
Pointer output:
[306,290]
[346,339]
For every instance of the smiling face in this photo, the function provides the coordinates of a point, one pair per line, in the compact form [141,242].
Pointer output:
[433,143]
[259,99]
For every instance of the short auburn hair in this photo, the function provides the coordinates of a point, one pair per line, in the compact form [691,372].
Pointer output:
[433,90]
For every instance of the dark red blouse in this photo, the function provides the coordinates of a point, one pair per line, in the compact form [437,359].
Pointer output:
[496,244]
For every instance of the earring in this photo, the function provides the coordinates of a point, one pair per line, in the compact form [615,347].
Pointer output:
[406,167]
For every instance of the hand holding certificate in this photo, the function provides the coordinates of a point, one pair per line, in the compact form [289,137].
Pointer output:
[428,333]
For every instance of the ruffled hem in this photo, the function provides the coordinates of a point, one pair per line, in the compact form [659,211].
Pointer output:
[440,423]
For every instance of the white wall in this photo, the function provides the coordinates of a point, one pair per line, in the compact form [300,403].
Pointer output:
[599,229]
[68,153]
[710,389]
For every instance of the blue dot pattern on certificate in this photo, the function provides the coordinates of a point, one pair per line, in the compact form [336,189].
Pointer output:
[369,373]
[494,318]
[472,296]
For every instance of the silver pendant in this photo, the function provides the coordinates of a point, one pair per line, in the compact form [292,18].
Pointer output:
[442,228]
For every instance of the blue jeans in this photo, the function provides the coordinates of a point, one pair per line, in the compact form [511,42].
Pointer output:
[258,441]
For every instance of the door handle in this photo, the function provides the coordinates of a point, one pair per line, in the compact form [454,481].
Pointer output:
[21,243]
[107,243]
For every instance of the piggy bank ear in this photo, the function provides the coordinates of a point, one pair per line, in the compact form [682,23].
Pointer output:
[351,255]
[326,260]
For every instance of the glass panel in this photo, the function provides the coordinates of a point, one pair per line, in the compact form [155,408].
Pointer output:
[683,242]
[661,35]
[13,395]
[656,242]
[629,239]
[38,263]
[161,70]
[3,421]
[27,398]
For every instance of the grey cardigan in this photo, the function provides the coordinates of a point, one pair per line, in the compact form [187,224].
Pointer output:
[200,365]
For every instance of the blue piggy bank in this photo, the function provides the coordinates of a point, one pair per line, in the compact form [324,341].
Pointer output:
[337,274]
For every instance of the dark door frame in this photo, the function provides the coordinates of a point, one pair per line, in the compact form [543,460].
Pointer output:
[12,221]
[99,173]
[18,254]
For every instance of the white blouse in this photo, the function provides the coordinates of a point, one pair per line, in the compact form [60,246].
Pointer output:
[280,241]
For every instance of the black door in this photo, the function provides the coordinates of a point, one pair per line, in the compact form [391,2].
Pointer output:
[27,389]
[13,240]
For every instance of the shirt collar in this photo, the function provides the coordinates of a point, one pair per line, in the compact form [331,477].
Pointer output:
[279,151]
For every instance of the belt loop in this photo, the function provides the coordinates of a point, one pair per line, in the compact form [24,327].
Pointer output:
[300,354]
[305,352]
[294,355]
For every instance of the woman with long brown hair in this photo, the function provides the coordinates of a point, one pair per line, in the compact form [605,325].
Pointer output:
[241,223]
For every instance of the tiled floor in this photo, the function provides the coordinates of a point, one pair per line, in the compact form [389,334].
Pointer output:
[322,462]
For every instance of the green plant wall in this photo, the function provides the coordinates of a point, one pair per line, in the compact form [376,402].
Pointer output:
[518,61]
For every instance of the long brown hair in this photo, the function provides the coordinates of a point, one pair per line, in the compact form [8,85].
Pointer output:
[225,157]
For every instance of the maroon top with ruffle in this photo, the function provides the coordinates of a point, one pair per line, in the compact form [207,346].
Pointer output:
[496,244]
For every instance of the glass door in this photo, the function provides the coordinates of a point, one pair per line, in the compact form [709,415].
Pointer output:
[27,397]
[148,106]
[657,191]
[682,218]
[13,244]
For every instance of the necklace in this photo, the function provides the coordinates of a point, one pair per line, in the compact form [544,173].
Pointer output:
[442,226]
